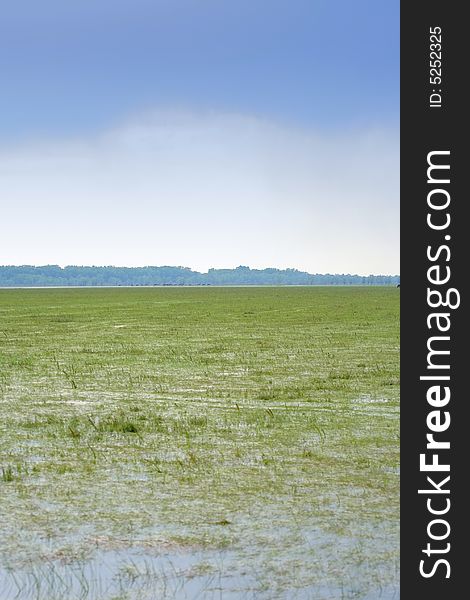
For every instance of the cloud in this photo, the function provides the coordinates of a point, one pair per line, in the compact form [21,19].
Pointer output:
[204,190]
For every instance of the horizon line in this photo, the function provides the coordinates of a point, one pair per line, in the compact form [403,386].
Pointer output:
[148,266]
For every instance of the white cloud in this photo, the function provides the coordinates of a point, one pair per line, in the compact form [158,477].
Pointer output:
[204,190]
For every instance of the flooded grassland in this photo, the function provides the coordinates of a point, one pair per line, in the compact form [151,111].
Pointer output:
[199,443]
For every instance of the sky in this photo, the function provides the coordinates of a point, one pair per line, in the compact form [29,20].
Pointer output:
[201,133]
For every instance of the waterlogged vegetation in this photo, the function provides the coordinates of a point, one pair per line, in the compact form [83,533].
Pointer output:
[199,443]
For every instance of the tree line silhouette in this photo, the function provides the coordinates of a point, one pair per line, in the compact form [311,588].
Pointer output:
[54,275]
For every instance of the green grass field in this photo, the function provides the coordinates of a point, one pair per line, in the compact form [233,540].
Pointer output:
[199,443]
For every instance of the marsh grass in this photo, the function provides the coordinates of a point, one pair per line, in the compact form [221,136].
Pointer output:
[257,425]
[7,474]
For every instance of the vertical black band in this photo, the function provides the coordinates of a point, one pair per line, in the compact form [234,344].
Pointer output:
[435,63]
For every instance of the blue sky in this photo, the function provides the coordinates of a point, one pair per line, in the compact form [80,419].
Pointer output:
[113,84]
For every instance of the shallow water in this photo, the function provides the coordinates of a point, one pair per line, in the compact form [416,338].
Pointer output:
[135,575]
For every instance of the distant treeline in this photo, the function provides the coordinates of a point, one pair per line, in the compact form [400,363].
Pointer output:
[53,275]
